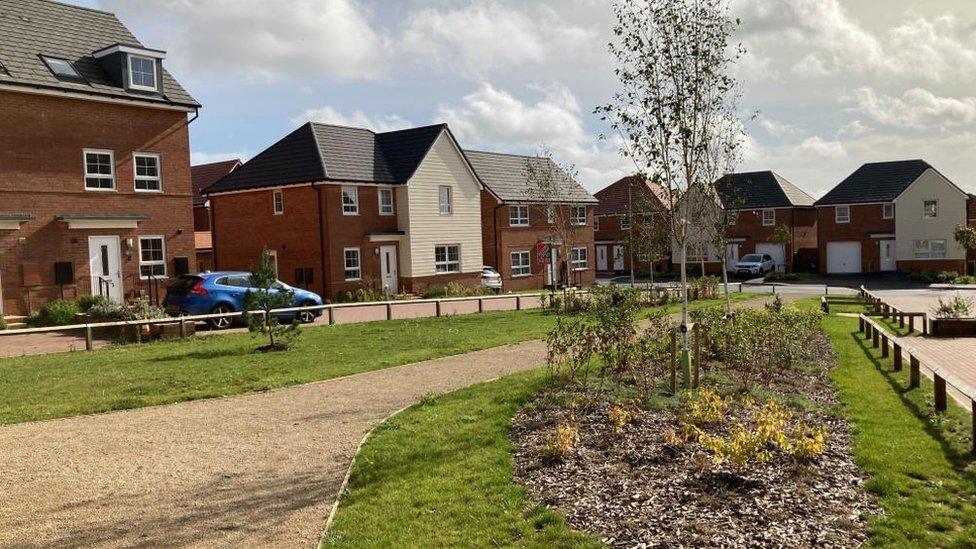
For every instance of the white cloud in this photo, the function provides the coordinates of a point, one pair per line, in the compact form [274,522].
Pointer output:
[262,38]
[776,129]
[853,128]
[818,146]
[357,119]
[487,36]
[917,108]
[495,119]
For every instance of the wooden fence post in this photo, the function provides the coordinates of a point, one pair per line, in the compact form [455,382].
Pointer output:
[182,328]
[481,304]
[901,320]
[89,344]
[875,336]
[940,393]
[437,307]
[518,303]
[331,316]
[695,366]
[911,325]
[914,373]
[674,362]
[389,311]
[897,350]
[884,345]
[860,324]
[925,325]
[884,311]
[972,406]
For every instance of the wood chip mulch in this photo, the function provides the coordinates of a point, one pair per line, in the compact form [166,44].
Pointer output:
[634,490]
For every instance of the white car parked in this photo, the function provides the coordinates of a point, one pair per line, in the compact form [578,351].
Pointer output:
[755,264]
[490,279]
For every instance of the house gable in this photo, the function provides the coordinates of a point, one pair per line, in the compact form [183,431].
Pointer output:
[912,225]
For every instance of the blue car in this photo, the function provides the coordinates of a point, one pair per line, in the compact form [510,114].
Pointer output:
[223,292]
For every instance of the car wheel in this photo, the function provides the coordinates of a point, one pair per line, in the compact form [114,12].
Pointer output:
[307,317]
[224,322]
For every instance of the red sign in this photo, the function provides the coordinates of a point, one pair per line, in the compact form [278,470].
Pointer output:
[541,253]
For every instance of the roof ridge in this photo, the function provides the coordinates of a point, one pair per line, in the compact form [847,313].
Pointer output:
[86,8]
[415,128]
[216,162]
[343,126]
[507,154]
[896,161]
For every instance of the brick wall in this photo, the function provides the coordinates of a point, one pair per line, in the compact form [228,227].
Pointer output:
[802,222]
[866,219]
[42,173]
[501,239]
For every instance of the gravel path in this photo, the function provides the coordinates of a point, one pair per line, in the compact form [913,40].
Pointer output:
[253,470]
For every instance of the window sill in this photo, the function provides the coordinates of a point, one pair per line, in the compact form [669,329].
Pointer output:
[353,279]
[576,269]
[143,88]
[526,226]
[521,276]
[279,213]
[350,214]
[389,214]
[160,277]
[112,190]
[149,191]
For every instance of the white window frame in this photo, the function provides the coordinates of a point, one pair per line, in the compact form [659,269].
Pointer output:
[579,263]
[358,269]
[515,219]
[925,214]
[132,83]
[625,223]
[888,210]
[152,262]
[770,222]
[354,192]
[445,207]
[925,252]
[110,177]
[447,263]
[521,263]
[379,201]
[136,178]
[49,61]
[278,201]
[842,218]
[575,219]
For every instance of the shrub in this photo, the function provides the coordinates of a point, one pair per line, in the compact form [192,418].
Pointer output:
[776,276]
[86,302]
[3,323]
[434,291]
[965,279]
[946,276]
[561,442]
[262,298]
[619,417]
[704,408]
[359,295]
[56,313]
[808,442]
[956,307]
[926,277]
[108,310]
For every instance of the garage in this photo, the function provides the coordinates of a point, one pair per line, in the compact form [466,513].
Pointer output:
[777,252]
[843,257]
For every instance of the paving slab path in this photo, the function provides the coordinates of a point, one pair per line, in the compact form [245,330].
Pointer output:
[258,470]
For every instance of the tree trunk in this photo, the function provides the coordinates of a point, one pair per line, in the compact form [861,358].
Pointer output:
[725,281]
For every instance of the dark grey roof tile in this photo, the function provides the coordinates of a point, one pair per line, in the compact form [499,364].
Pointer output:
[506,175]
[765,189]
[876,182]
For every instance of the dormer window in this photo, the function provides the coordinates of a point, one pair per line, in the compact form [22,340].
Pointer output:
[62,68]
[142,73]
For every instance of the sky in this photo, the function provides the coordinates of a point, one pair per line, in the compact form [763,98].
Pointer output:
[827,85]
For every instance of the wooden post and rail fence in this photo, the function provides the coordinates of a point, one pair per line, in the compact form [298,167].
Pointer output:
[894,347]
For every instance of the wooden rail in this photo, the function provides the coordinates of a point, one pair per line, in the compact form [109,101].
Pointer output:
[941,377]
[886,311]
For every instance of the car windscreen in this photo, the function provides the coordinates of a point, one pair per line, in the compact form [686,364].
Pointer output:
[183,284]
[751,258]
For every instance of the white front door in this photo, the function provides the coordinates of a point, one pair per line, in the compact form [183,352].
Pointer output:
[105,264]
[388,269]
[618,258]
[887,255]
[731,256]
[601,258]
[777,252]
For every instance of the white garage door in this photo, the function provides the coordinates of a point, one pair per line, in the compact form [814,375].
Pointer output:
[843,257]
[776,251]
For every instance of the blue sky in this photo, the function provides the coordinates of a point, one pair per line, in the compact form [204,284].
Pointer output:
[836,83]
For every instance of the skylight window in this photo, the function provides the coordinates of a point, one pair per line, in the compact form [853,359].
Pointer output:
[61,67]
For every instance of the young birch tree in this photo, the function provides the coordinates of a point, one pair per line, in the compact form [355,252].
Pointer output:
[547,193]
[677,100]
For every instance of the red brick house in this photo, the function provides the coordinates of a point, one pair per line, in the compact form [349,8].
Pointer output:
[203,176]
[762,203]
[620,203]
[94,159]
[520,223]
[892,216]
[343,208]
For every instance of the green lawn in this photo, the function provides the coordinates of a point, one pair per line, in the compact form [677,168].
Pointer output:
[919,464]
[66,384]
[439,475]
